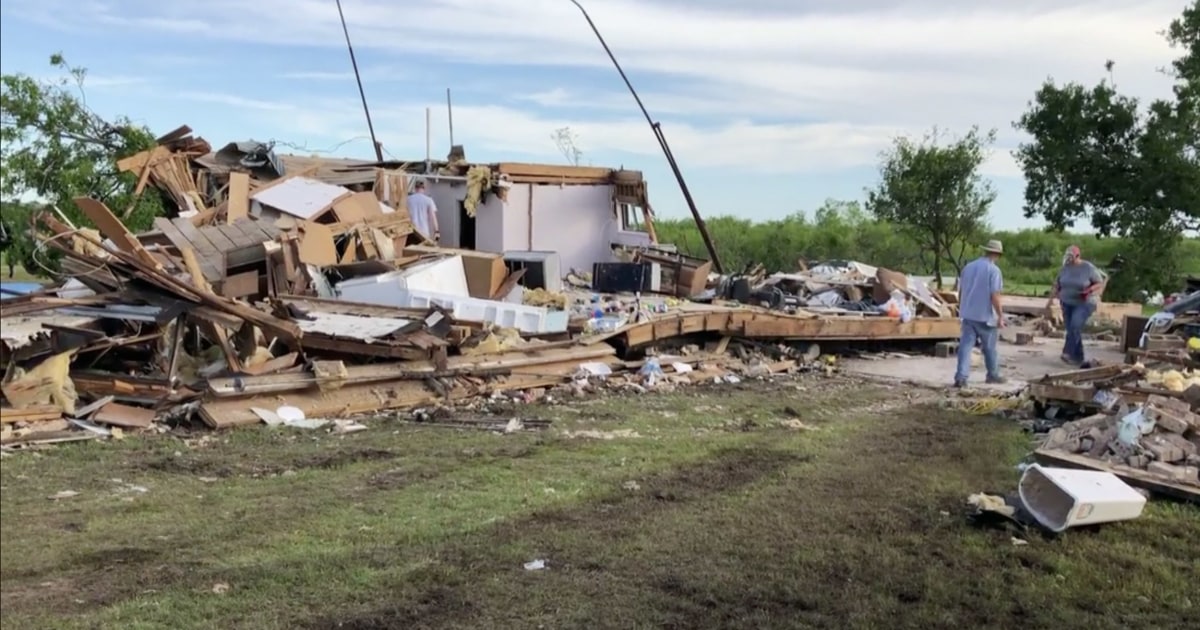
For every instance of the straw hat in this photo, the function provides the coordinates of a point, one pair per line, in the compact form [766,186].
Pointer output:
[994,247]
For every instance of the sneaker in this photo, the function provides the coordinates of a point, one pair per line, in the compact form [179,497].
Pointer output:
[959,384]
[998,380]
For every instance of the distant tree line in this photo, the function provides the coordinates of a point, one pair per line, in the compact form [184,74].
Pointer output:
[844,230]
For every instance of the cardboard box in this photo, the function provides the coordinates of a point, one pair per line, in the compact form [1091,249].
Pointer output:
[485,270]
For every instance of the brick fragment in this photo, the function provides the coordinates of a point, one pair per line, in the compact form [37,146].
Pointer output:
[1173,472]
[1162,450]
[1169,420]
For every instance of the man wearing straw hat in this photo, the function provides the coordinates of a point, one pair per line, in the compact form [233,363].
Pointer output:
[979,288]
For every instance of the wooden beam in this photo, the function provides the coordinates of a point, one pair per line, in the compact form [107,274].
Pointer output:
[762,324]
[367,397]
[112,228]
[413,370]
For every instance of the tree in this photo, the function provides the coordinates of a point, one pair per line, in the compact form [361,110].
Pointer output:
[567,142]
[53,146]
[933,192]
[1098,155]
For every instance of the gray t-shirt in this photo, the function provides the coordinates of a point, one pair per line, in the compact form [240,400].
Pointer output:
[1074,279]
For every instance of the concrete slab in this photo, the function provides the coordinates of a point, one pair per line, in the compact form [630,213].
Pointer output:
[1019,364]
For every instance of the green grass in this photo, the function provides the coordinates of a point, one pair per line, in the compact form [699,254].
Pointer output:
[1035,290]
[20,274]
[715,514]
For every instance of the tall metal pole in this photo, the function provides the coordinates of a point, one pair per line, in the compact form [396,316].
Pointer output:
[450,116]
[662,143]
[358,78]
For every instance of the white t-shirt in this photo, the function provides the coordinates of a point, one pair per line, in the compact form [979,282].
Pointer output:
[423,212]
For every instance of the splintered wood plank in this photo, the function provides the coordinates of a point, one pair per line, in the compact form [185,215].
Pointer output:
[530,362]
[361,398]
[124,416]
[37,413]
[112,228]
[239,197]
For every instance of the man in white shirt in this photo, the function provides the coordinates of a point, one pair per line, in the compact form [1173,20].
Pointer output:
[423,212]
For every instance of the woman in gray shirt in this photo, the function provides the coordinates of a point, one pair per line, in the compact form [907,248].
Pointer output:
[1078,288]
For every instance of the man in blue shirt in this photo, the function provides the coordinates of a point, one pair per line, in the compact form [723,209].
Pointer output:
[979,287]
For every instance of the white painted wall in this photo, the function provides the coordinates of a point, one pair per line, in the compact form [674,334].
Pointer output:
[578,222]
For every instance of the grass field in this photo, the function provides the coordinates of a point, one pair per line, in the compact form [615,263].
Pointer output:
[20,274]
[813,503]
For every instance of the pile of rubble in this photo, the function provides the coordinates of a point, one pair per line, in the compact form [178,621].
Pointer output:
[841,286]
[284,293]
[1137,422]
[1161,436]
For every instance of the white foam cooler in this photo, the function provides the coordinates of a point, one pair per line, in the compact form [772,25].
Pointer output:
[1060,498]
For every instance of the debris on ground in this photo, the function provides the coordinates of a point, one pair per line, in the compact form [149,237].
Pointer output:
[1136,422]
[296,292]
[1056,499]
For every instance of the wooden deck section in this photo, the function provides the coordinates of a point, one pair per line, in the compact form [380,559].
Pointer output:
[756,323]
[219,247]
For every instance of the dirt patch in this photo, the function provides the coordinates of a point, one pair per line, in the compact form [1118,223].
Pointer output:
[213,464]
[95,579]
[338,459]
[402,477]
[455,584]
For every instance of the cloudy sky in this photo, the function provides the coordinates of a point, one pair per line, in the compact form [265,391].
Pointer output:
[771,106]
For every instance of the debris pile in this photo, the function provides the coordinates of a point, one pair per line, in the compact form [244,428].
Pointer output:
[841,286]
[1138,423]
[288,290]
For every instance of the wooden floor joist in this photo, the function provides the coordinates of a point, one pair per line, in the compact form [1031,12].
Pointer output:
[763,324]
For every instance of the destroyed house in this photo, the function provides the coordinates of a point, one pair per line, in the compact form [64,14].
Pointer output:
[579,212]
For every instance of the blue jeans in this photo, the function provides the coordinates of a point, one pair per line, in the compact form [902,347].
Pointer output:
[987,336]
[1075,317]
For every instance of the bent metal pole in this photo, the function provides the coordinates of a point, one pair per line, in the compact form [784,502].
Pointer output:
[662,143]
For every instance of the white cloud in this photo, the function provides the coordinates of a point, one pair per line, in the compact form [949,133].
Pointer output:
[113,81]
[235,101]
[760,84]
[318,76]
[95,80]
[369,75]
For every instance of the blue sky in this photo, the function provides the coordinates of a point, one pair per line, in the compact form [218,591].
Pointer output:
[771,106]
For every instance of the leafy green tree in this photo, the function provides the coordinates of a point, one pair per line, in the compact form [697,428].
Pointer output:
[842,230]
[1099,155]
[53,146]
[933,192]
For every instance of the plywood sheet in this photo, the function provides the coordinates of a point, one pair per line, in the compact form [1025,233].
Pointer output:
[301,197]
